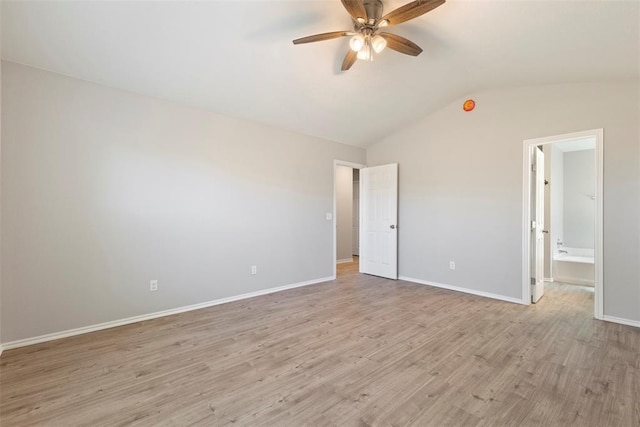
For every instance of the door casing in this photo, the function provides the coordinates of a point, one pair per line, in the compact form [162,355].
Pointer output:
[337,163]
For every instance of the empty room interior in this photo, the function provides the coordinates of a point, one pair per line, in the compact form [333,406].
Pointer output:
[322,212]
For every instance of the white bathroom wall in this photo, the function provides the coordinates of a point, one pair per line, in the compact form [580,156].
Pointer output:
[579,204]
[344,212]
[556,187]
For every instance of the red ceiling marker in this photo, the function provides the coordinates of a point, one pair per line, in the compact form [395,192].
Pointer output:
[469,105]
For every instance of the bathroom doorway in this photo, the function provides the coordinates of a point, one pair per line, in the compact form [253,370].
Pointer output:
[562,214]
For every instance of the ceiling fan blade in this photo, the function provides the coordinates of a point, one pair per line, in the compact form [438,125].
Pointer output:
[349,60]
[355,8]
[411,10]
[402,45]
[321,37]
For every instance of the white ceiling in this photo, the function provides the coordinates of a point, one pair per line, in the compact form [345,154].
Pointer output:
[576,144]
[236,57]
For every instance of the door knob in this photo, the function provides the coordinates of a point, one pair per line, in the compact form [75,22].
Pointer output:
[392,226]
[545,231]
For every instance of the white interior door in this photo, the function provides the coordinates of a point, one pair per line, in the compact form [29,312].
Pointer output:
[379,221]
[537,226]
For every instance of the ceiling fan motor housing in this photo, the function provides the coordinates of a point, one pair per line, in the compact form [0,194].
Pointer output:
[374,9]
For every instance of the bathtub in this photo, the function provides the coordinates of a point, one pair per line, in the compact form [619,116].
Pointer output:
[576,266]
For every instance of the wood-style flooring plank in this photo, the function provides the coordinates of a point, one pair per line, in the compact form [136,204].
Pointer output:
[360,351]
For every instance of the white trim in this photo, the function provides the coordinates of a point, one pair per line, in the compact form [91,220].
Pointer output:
[622,321]
[464,290]
[337,163]
[575,281]
[135,319]
[344,261]
[598,134]
[526,218]
[1,349]
[548,279]
[599,237]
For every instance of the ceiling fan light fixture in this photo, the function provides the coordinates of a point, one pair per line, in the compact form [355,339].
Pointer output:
[361,20]
[378,43]
[366,53]
[356,43]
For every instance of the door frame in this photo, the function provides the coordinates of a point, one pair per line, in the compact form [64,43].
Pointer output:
[337,163]
[598,134]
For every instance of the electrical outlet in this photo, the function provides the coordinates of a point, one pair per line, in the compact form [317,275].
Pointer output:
[153,285]
[329,216]
[452,265]
[254,269]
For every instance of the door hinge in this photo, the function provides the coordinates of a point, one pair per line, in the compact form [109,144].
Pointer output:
[533,280]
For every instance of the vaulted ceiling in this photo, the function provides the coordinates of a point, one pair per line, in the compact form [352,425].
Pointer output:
[236,57]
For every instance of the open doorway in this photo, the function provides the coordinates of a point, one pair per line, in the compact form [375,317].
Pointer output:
[346,218]
[562,215]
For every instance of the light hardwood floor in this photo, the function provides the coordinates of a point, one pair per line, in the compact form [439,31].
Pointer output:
[357,351]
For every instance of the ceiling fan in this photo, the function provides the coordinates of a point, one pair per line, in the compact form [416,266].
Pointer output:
[366,37]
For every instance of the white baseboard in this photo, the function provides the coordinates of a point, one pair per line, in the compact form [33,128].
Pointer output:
[465,290]
[344,261]
[575,281]
[621,321]
[135,319]
[548,279]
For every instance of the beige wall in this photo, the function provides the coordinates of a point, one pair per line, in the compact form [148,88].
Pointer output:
[1,341]
[461,186]
[104,190]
